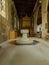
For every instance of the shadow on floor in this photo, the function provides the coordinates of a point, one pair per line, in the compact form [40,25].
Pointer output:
[35,42]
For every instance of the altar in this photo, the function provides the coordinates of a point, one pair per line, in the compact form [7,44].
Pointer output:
[27,24]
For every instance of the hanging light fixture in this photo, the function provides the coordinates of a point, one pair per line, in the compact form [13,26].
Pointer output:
[40,1]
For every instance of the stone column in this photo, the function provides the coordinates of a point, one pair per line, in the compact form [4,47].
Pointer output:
[44,17]
[35,19]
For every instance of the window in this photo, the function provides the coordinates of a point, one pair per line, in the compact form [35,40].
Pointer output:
[2,7]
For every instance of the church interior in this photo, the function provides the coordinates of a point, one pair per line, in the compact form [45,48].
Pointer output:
[24,32]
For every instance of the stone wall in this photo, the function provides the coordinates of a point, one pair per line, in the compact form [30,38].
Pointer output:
[5,22]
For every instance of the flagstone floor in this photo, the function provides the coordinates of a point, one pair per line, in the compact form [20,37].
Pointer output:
[38,54]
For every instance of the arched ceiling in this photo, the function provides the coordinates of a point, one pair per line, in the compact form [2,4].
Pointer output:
[24,7]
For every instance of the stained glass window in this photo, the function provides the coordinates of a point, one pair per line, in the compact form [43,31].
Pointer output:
[2,7]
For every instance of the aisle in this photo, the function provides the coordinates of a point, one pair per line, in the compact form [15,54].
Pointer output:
[25,54]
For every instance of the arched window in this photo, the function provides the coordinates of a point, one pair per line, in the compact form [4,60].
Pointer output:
[2,8]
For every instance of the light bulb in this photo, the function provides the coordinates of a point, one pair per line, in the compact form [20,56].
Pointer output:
[40,1]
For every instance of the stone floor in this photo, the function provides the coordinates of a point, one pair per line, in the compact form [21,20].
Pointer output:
[11,54]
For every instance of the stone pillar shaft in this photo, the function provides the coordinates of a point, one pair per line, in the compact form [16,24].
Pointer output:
[35,19]
[44,17]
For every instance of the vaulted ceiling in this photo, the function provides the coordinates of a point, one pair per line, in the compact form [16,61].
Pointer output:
[24,7]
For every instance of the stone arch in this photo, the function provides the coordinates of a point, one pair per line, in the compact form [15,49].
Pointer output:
[39,16]
[48,16]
